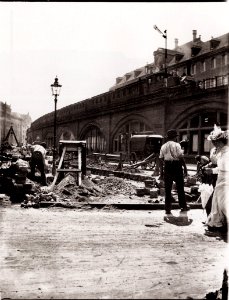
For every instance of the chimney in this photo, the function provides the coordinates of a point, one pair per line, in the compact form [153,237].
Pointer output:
[176,43]
[194,33]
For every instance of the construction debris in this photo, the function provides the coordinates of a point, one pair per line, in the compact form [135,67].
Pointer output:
[93,188]
[4,200]
[15,183]
[68,192]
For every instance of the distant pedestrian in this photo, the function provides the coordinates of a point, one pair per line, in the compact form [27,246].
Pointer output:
[173,169]
[38,161]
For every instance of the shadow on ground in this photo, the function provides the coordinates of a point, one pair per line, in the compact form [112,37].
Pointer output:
[181,220]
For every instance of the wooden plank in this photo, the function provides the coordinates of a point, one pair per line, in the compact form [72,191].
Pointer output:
[51,187]
[71,148]
[79,165]
[68,170]
[72,143]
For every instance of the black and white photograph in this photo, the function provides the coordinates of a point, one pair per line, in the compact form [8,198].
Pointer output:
[114,153]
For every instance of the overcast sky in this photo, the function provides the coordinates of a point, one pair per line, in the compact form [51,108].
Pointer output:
[88,45]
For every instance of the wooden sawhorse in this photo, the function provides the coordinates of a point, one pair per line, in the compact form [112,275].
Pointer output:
[72,146]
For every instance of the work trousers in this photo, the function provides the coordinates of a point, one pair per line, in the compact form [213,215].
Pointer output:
[37,161]
[173,172]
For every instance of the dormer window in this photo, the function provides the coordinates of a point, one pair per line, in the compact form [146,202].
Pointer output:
[214,43]
[178,56]
[127,76]
[118,80]
[147,69]
[137,73]
[195,49]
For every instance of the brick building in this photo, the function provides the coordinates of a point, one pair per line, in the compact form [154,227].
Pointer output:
[19,123]
[191,99]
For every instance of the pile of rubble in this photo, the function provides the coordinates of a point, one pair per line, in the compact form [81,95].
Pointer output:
[16,184]
[68,194]
[68,189]
[113,185]
[156,190]
[13,179]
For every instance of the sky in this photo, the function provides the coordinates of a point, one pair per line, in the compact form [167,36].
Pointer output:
[87,45]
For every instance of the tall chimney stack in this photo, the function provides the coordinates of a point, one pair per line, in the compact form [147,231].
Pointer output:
[194,33]
[176,43]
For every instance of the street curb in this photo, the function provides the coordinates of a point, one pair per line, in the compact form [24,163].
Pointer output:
[127,206]
[139,206]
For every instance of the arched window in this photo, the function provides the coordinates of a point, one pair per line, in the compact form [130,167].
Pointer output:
[121,139]
[197,128]
[95,140]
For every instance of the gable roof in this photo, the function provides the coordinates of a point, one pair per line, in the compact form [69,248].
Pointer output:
[183,52]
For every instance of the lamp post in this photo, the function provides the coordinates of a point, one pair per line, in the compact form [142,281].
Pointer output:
[165,37]
[55,92]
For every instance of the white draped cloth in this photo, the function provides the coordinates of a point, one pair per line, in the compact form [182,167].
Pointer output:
[220,201]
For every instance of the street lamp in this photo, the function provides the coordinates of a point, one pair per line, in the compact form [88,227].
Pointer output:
[165,37]
[55,92]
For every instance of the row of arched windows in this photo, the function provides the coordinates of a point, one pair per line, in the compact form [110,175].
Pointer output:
[194,129]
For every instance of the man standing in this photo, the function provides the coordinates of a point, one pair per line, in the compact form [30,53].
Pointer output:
[38,161]
[172,166]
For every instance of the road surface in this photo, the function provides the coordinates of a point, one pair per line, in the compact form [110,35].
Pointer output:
[107,254]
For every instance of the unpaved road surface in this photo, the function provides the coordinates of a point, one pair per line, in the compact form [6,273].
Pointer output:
[106,254]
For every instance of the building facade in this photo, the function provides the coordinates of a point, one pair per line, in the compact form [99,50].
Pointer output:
[18,122]
[191,96]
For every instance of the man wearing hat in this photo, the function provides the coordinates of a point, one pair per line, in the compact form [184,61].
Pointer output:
[172,167]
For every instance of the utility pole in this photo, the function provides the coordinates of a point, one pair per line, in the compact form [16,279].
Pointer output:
[164,35]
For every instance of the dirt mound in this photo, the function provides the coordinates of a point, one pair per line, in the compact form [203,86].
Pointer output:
[68,194]
[114,185]
[103,186]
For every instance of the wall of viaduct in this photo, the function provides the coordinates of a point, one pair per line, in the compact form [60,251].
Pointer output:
[137,107]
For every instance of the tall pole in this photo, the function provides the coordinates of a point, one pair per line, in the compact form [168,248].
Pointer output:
[54,141]
[55,92]
[165,37]
[166,75]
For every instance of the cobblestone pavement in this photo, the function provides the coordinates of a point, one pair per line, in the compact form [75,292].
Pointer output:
[105,254]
